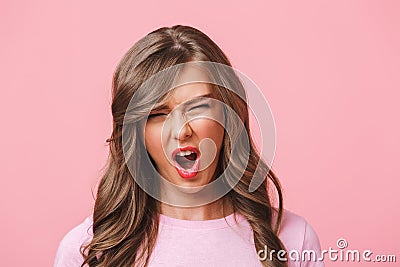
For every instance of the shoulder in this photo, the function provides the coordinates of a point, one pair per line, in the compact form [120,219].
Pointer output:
[295,230]
[68,251]
[298,235]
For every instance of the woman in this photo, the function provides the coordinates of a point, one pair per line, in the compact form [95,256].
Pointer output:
[175,190]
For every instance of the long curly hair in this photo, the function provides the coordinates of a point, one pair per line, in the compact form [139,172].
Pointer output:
[125,217]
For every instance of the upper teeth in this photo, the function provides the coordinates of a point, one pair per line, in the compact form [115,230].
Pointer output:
[184,153]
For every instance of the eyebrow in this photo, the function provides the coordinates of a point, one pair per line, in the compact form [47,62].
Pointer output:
[185,104]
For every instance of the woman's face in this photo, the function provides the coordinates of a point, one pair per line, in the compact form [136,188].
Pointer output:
[184,135]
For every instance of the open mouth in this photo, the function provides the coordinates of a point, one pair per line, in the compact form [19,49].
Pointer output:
[186,161]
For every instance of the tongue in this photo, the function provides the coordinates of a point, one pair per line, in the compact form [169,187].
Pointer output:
[191,157]
[186,162]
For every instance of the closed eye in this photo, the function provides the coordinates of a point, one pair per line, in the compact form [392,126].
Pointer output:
[159,114]
[200,106]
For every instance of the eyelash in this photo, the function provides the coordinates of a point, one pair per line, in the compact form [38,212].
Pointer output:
[201,106]
[165,114]
[157,114]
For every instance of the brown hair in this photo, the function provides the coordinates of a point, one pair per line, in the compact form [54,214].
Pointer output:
[125,218]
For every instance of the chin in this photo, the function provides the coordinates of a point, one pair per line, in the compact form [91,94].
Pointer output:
[191,190]
[192,185]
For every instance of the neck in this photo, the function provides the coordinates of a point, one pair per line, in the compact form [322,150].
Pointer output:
[211,211]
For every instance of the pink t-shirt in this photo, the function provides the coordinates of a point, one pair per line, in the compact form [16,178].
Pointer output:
[208,243]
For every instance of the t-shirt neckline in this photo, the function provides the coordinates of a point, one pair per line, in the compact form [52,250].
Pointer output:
[202,224]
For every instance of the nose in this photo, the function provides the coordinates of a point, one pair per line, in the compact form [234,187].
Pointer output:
[181,128]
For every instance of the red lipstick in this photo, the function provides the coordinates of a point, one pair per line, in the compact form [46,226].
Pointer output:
[187,161]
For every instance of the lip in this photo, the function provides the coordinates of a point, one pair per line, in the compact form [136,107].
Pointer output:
[186,148]
[192,172]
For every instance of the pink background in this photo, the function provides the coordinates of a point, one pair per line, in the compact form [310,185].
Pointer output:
[329,69]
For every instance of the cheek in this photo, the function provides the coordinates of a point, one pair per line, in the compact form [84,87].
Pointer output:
[152,136]
[206,128]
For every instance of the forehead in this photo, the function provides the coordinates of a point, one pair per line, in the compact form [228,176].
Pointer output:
[192,73]
[192,82]
[187,92]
